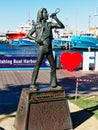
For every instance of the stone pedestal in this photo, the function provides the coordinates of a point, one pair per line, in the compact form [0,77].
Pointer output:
[43,110]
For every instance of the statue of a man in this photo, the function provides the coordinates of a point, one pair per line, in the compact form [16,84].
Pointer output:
[43,37]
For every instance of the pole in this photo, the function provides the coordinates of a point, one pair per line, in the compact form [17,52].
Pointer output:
[76,95]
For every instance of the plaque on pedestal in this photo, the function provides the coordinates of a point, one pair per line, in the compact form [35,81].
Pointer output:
[43,110]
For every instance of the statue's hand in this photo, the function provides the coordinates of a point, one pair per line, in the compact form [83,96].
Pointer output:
[39,42]
[53,15]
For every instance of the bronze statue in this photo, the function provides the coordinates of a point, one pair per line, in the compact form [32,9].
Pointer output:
[43,37]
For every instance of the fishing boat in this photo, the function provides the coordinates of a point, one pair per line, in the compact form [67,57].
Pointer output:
[84,42]
[61,40]
[20,32]
[18,37]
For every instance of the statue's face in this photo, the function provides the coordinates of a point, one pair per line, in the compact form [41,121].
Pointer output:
[45,14]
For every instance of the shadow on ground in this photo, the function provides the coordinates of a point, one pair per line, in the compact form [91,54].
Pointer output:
[2,128]
[81,116]
[86,84]
[9,98]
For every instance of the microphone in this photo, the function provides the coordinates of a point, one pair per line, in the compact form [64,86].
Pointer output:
[56,12]
[52,15]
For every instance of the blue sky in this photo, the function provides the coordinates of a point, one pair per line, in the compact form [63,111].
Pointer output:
[74,13]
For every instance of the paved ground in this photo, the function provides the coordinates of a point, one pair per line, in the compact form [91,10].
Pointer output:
[12,82]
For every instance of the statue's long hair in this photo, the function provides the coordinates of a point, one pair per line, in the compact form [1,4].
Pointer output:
[40,15]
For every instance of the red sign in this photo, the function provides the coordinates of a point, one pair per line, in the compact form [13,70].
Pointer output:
[70,61]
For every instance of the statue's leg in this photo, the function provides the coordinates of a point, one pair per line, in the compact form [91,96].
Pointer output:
[36,68]
[53,78]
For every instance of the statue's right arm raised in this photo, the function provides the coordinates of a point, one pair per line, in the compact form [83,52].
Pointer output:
[59,24]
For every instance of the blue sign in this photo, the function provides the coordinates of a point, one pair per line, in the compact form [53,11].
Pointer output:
[21,62]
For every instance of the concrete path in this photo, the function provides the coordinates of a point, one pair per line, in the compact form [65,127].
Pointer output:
[81,119]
